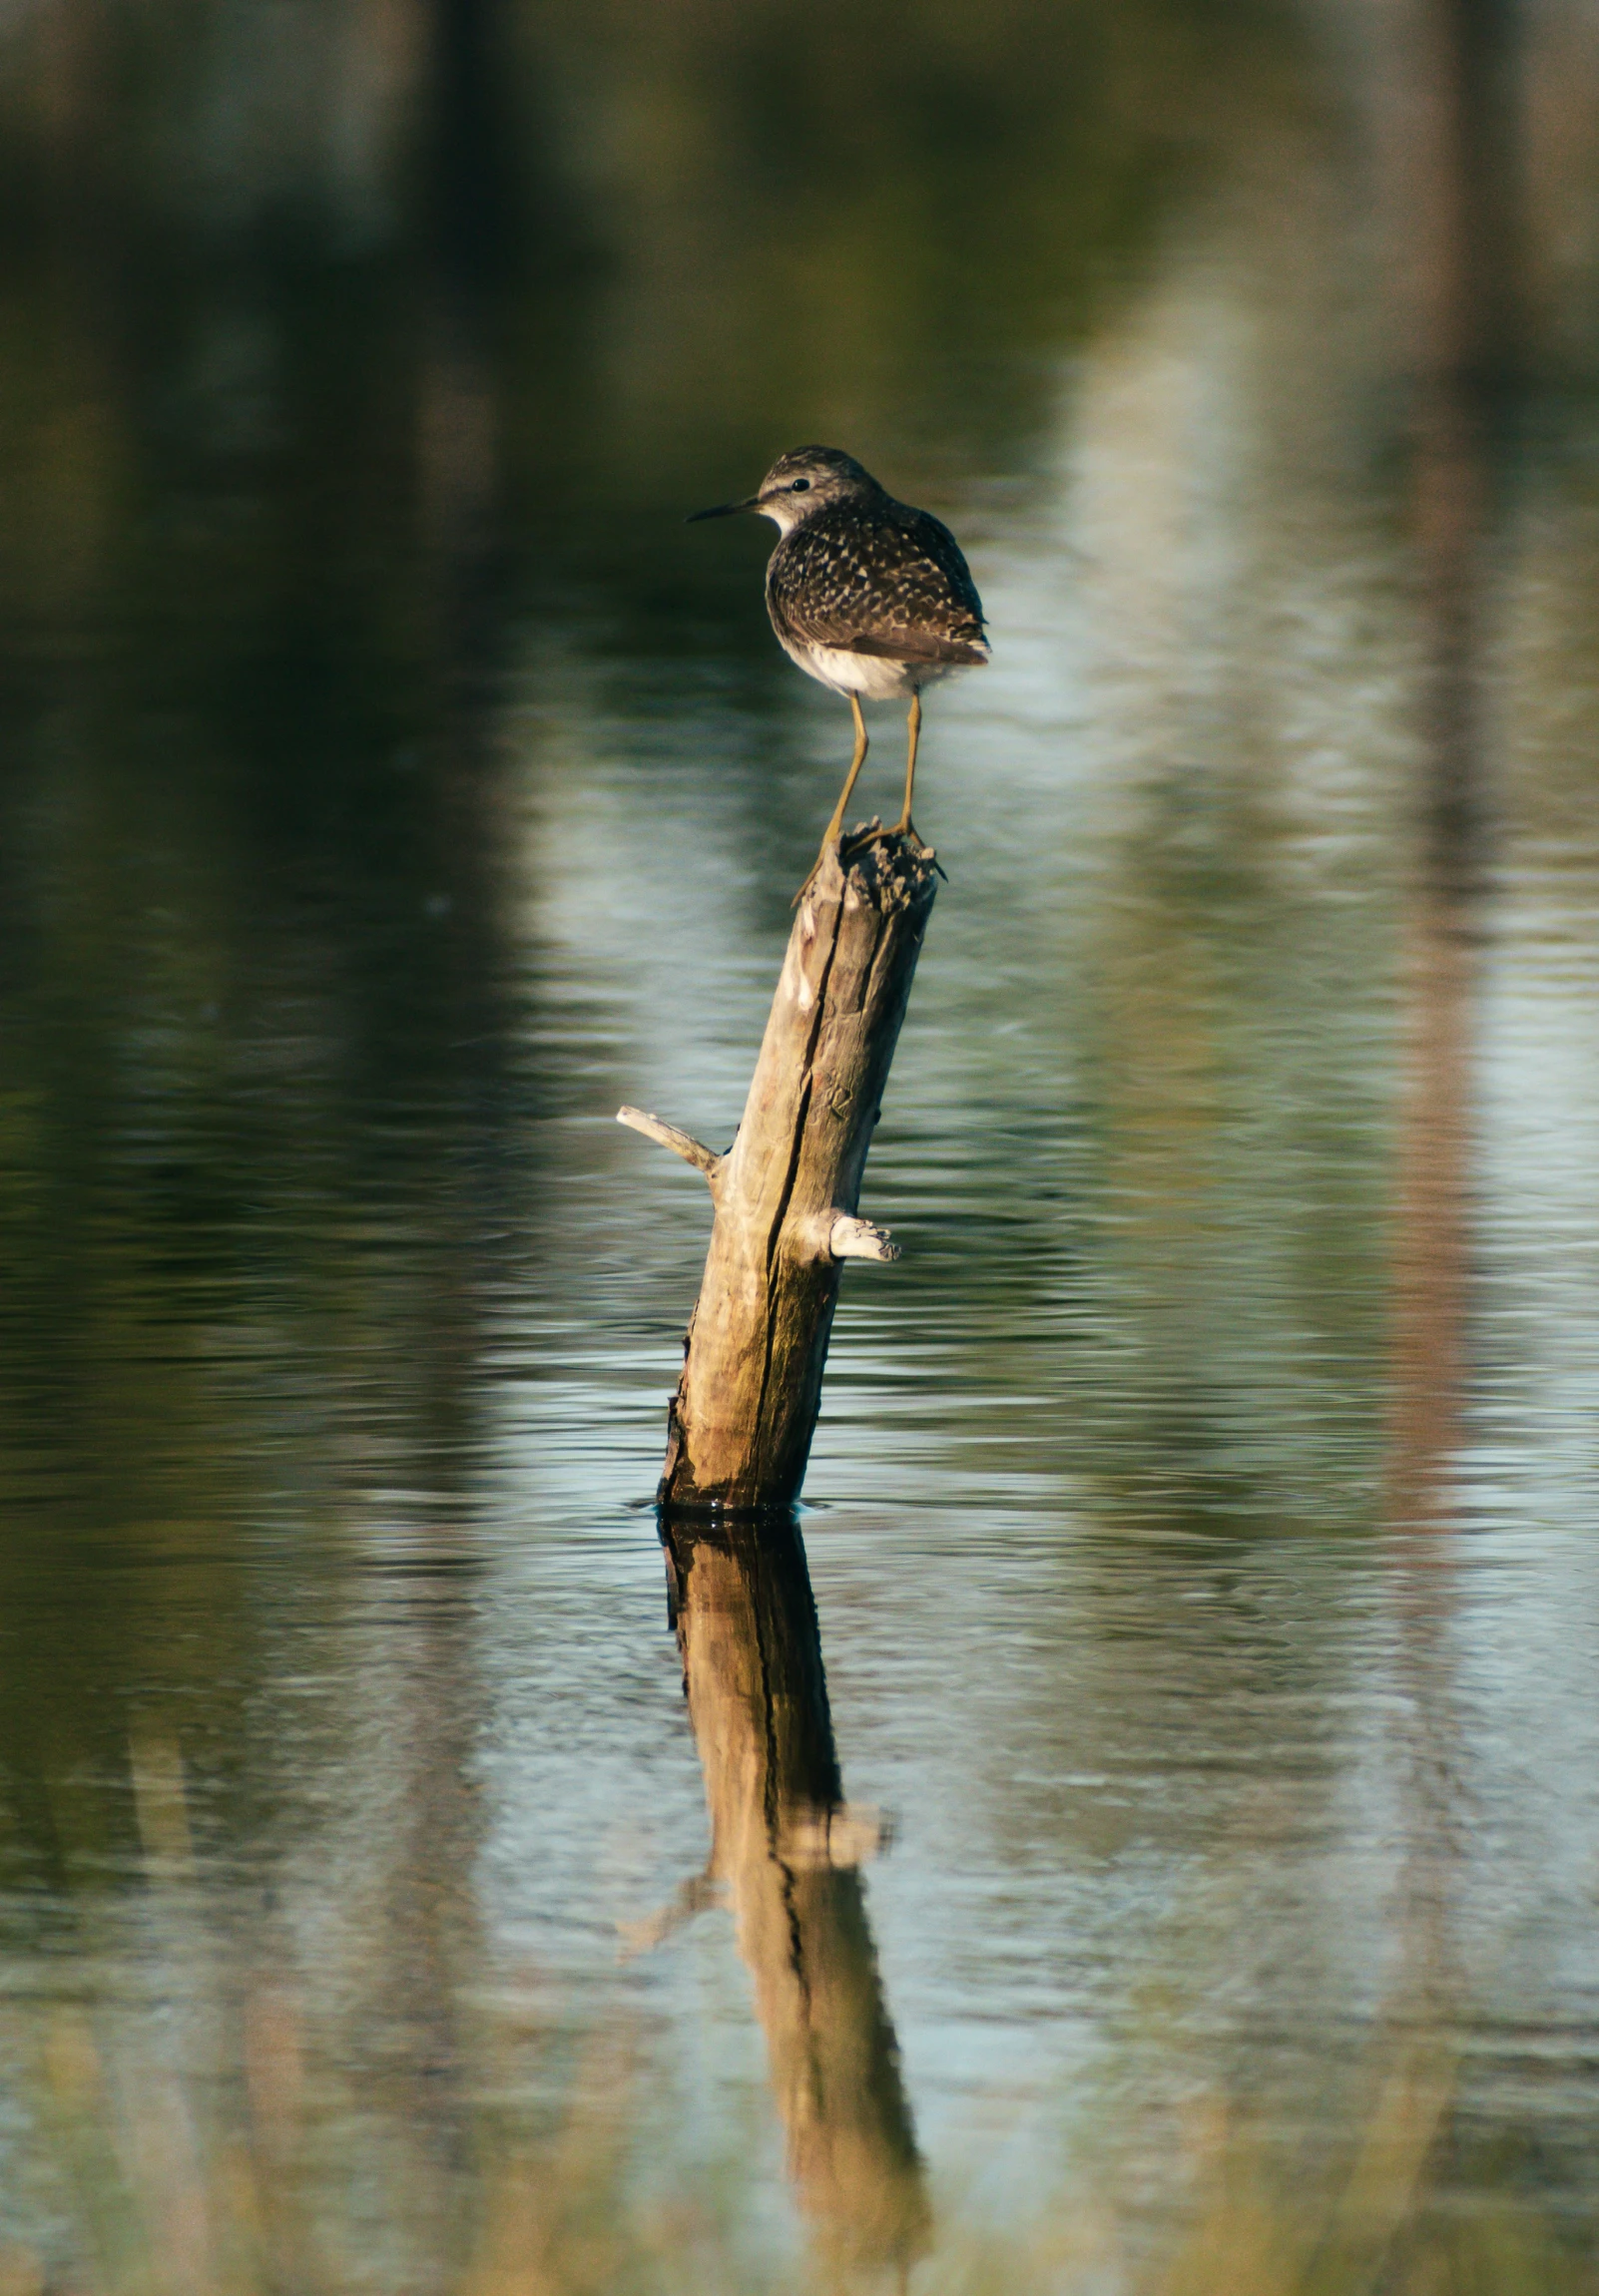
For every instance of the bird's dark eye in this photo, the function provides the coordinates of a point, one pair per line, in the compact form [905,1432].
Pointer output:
[800,486]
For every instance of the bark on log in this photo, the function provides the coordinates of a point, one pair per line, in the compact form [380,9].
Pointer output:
[740,1428]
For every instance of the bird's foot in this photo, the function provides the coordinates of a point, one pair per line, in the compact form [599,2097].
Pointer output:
[863,832]
[906,827]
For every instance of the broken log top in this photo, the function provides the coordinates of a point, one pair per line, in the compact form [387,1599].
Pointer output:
[785,1193]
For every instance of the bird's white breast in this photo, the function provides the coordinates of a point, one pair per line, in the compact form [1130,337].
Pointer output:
[868,674]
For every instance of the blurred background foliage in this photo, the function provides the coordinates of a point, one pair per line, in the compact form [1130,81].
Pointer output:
[342,342]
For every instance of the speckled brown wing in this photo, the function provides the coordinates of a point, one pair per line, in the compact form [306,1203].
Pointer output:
[885,579]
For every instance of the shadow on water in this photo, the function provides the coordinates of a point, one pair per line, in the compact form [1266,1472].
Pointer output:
[787,1849]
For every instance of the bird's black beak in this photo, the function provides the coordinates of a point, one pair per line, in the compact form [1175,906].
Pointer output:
[722,510]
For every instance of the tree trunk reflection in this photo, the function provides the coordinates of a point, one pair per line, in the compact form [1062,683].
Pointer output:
[788,1849]
[1460,205]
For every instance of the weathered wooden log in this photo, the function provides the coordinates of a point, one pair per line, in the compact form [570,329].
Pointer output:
[785,1193]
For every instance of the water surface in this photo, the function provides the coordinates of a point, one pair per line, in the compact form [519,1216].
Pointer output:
[392,787]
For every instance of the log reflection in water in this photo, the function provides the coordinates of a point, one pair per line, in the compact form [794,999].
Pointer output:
[1459,204]
[788,1849]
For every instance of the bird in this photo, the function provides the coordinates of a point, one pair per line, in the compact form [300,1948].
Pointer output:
[867,595]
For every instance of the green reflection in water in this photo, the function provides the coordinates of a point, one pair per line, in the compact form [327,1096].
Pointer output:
[330,355]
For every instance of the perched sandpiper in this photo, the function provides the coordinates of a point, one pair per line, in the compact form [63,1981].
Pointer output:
[868,596]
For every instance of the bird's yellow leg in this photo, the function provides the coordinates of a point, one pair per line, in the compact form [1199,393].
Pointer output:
[835,825]
[829,842]
[914,728]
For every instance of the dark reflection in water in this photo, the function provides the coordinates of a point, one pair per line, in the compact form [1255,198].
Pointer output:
[788,1849]
[1460,173]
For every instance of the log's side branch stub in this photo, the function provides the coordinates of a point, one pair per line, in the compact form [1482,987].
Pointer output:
[835,1234]
[852,1238]
[672,1137]
[786,1190]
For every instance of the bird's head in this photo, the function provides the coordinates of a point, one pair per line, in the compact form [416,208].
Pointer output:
[801,483]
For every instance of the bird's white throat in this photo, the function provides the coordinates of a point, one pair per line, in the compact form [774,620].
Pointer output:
[785,512]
